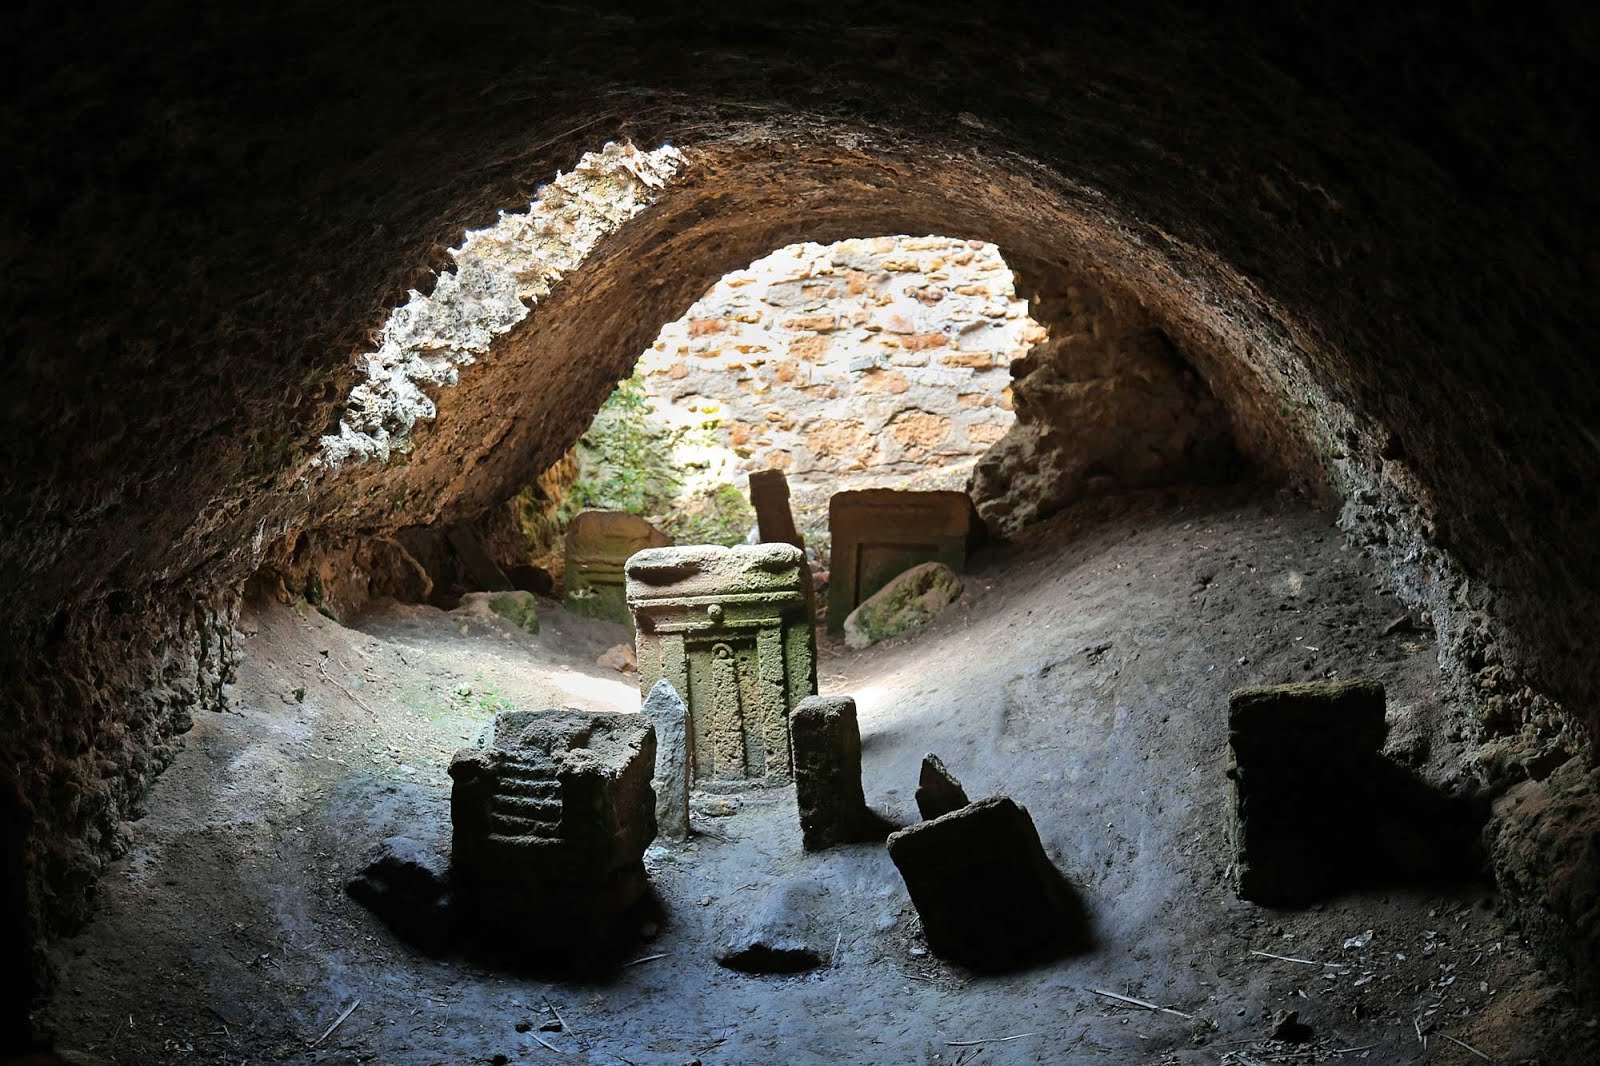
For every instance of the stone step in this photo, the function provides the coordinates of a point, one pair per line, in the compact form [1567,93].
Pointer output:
[545,807]
[523,786]
[520,766]
[518,825]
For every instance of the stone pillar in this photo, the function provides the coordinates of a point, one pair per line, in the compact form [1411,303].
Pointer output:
[732,629]
[670,715]
[769,495]
[827,772]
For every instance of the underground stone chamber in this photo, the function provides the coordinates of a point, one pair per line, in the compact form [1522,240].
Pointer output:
[1352,249]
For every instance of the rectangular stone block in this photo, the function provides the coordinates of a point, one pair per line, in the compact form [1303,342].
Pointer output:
[598,544]
[879,533]
[769,495]
[732,629]
[826,742]
[988,895]
[1304,761]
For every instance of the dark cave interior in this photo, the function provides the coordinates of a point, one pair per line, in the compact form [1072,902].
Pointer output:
[1349,247]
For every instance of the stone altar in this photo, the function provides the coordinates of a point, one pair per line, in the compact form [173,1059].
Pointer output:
[551,813]
[880,533]
[732,629]
[598,543]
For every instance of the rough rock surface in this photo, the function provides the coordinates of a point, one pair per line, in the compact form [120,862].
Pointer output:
[938,791]
[908,602]
[987,894]
[670,782]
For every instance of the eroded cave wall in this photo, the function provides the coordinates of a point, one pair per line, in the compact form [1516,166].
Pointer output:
[1371,230]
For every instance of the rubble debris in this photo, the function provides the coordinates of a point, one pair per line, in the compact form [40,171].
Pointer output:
[938,791]
[732,629]
[987,894]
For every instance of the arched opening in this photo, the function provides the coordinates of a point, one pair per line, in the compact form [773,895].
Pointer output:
[1355,240]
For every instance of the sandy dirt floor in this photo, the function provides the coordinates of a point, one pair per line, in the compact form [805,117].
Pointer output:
[1085,673]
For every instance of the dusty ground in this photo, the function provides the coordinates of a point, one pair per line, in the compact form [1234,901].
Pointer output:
[1085,673]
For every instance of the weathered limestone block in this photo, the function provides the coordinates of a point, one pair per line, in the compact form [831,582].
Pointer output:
[551,813]
[987,894]
[769,495]
[598,545]
[731,628]
[519,608]
[938,791]
[909,601]
[827,773]
[879,533]
[670,716]
[784,934]
[1301,774]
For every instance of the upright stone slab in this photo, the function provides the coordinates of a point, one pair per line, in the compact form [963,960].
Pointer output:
[598,545]
[1302,767]
[938,791]
[826,741]
[986,892]
[769,495]
[731,628]
[551,813]
[670,715]
[879,533]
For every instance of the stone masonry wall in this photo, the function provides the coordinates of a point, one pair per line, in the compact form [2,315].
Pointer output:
[879,362]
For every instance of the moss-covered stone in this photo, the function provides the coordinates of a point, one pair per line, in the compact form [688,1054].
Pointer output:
[911,600]
[520,608]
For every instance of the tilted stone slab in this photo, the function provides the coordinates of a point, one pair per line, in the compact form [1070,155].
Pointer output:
[878,534]
[598,544]
[551,813]
[938,791]
[987,894]
[732,629]
[769,495]
[1301,770]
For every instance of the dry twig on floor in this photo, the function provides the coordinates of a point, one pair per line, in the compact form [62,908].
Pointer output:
[1469,1047]
[988,1040]
[1288,958]
[647,958]
[351,1009]
[1146,1004]
[547,1044]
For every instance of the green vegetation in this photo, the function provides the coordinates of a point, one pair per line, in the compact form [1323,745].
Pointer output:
[630,460]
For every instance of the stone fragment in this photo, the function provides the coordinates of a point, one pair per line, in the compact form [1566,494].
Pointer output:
[731,628]
[519,608]
[1302,761]
[670,716]
[909,601]
[406,884]
[598,544]
[938,791]
[879,533]
[827,774]
[987,894]
[551,813]
[769,495]
[619,657]
[780,937]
